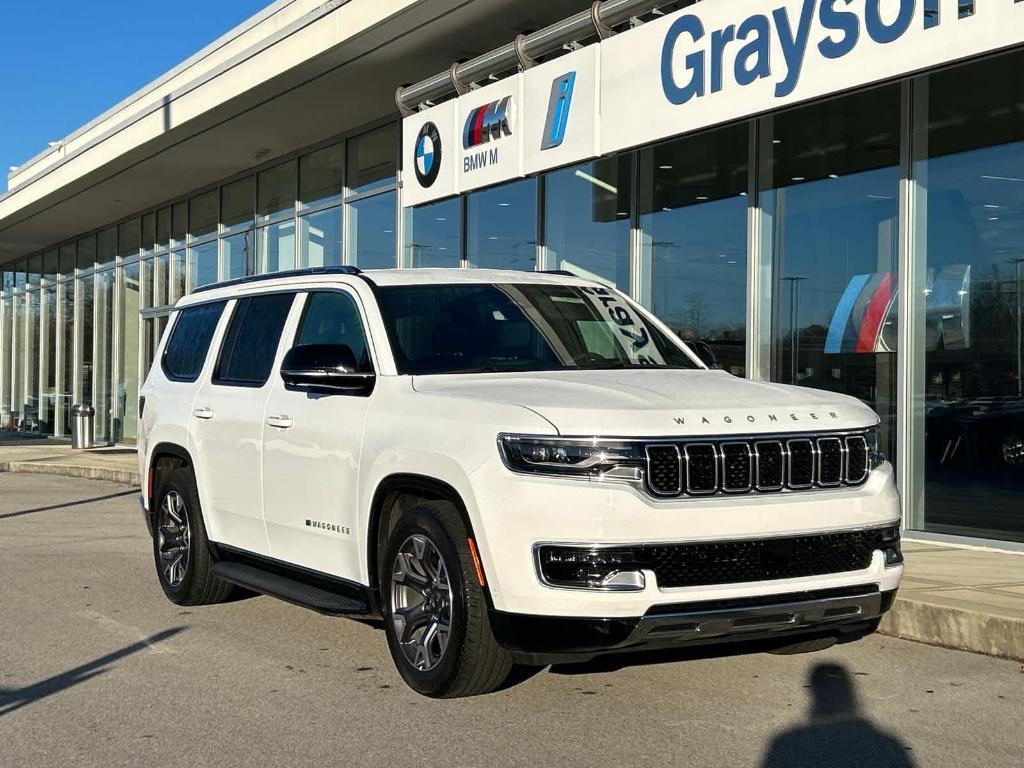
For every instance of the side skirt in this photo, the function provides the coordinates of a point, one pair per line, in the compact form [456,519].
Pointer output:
[317,591]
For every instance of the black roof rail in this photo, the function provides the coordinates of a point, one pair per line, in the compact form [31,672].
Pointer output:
[347,270]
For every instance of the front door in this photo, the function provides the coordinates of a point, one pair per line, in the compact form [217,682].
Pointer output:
[228,417]
[311,450]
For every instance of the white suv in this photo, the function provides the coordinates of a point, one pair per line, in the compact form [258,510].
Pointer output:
[504,467]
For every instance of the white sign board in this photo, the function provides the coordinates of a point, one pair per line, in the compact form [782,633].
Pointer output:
[431,151]
[719,61]
[707,64]
[560,111]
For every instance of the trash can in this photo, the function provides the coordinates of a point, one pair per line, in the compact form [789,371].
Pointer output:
[82,417]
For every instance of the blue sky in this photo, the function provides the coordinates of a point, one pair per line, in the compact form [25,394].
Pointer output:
[64,62]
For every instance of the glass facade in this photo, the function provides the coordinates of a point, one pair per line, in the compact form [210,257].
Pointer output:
[871,244]
[80,322]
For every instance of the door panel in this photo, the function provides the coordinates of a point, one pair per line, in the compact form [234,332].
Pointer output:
[228,417]
[311,451]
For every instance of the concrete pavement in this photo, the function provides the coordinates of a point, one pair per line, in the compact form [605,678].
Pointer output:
[97,668]
[960,598]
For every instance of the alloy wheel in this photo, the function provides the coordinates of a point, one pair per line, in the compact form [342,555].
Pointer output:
[421,602]
[172,539]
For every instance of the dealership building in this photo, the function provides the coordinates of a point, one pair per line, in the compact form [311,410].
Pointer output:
[827,193]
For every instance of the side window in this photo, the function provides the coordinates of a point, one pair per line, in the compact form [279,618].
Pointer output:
[250,344]
[190,341]
[332,317]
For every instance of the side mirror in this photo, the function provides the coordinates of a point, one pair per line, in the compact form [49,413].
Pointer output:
[327,368]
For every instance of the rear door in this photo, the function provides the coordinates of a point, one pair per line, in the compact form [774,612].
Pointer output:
[227,421]
[311,449]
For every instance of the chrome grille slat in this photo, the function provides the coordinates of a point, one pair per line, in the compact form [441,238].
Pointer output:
[767,451]
[795,462]
[734,457]
[700,458]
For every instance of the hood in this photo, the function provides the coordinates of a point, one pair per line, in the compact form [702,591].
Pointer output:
[649,403]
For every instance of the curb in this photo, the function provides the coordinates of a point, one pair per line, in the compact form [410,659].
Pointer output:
[110,474]
[955,628]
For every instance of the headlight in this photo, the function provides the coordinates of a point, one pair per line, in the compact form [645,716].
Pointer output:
[875,455]
[587,459]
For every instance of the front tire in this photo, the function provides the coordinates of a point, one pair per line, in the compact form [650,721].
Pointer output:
[435,612]
[181,550]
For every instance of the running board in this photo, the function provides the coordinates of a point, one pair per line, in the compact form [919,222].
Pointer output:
[329,601]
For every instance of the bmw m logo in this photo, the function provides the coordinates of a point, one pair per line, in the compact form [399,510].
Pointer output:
[487,123]
[428,154]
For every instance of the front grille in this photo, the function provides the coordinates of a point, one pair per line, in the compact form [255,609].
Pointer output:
[735,562]
[801,462]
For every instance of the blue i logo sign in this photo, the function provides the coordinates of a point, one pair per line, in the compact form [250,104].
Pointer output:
[557,119]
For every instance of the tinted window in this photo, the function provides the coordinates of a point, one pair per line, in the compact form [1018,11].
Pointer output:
[250,344]
[484,328]
[190,341]
[333,318]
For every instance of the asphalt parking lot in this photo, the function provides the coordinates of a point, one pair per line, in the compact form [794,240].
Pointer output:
[97,668]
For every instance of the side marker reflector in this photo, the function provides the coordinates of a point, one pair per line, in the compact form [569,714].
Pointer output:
[476,562]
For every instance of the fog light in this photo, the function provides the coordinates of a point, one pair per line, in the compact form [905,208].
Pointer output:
[582,568]
[891,546]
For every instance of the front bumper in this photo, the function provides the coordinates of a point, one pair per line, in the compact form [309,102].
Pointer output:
[842,612]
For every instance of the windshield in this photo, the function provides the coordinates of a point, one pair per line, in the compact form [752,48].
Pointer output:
[480,327]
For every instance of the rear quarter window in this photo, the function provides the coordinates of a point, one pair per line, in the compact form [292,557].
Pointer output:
[190,340]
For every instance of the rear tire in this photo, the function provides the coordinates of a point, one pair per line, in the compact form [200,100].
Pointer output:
[428,580]
[181,550]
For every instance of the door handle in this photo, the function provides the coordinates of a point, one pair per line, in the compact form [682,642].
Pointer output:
[281,422]
[203,413]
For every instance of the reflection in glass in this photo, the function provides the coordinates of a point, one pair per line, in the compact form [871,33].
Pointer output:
[371,159]
[320,238]
[830,193]
[586,219]
[276,244]
[693,213]
[970,238]
[48,361]
[321,176]
[237,257]
[86,256]
[30,407]
[371,232]
[433,234]
[106,247]
[128,394]
[177,283]
[6,356]
[276,190]
[67,334]
[236,202]
[103,383]
[202,265]
[161,280]
[501,225]
[129,238]
[203,213]
[86,337]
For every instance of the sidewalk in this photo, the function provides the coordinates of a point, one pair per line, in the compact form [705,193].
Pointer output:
[118,465]
[970,599]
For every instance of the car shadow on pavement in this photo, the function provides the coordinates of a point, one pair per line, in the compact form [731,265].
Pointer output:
[836,733]
[13,699]
[75,503]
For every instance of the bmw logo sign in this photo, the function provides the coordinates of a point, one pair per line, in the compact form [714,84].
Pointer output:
[428,154]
